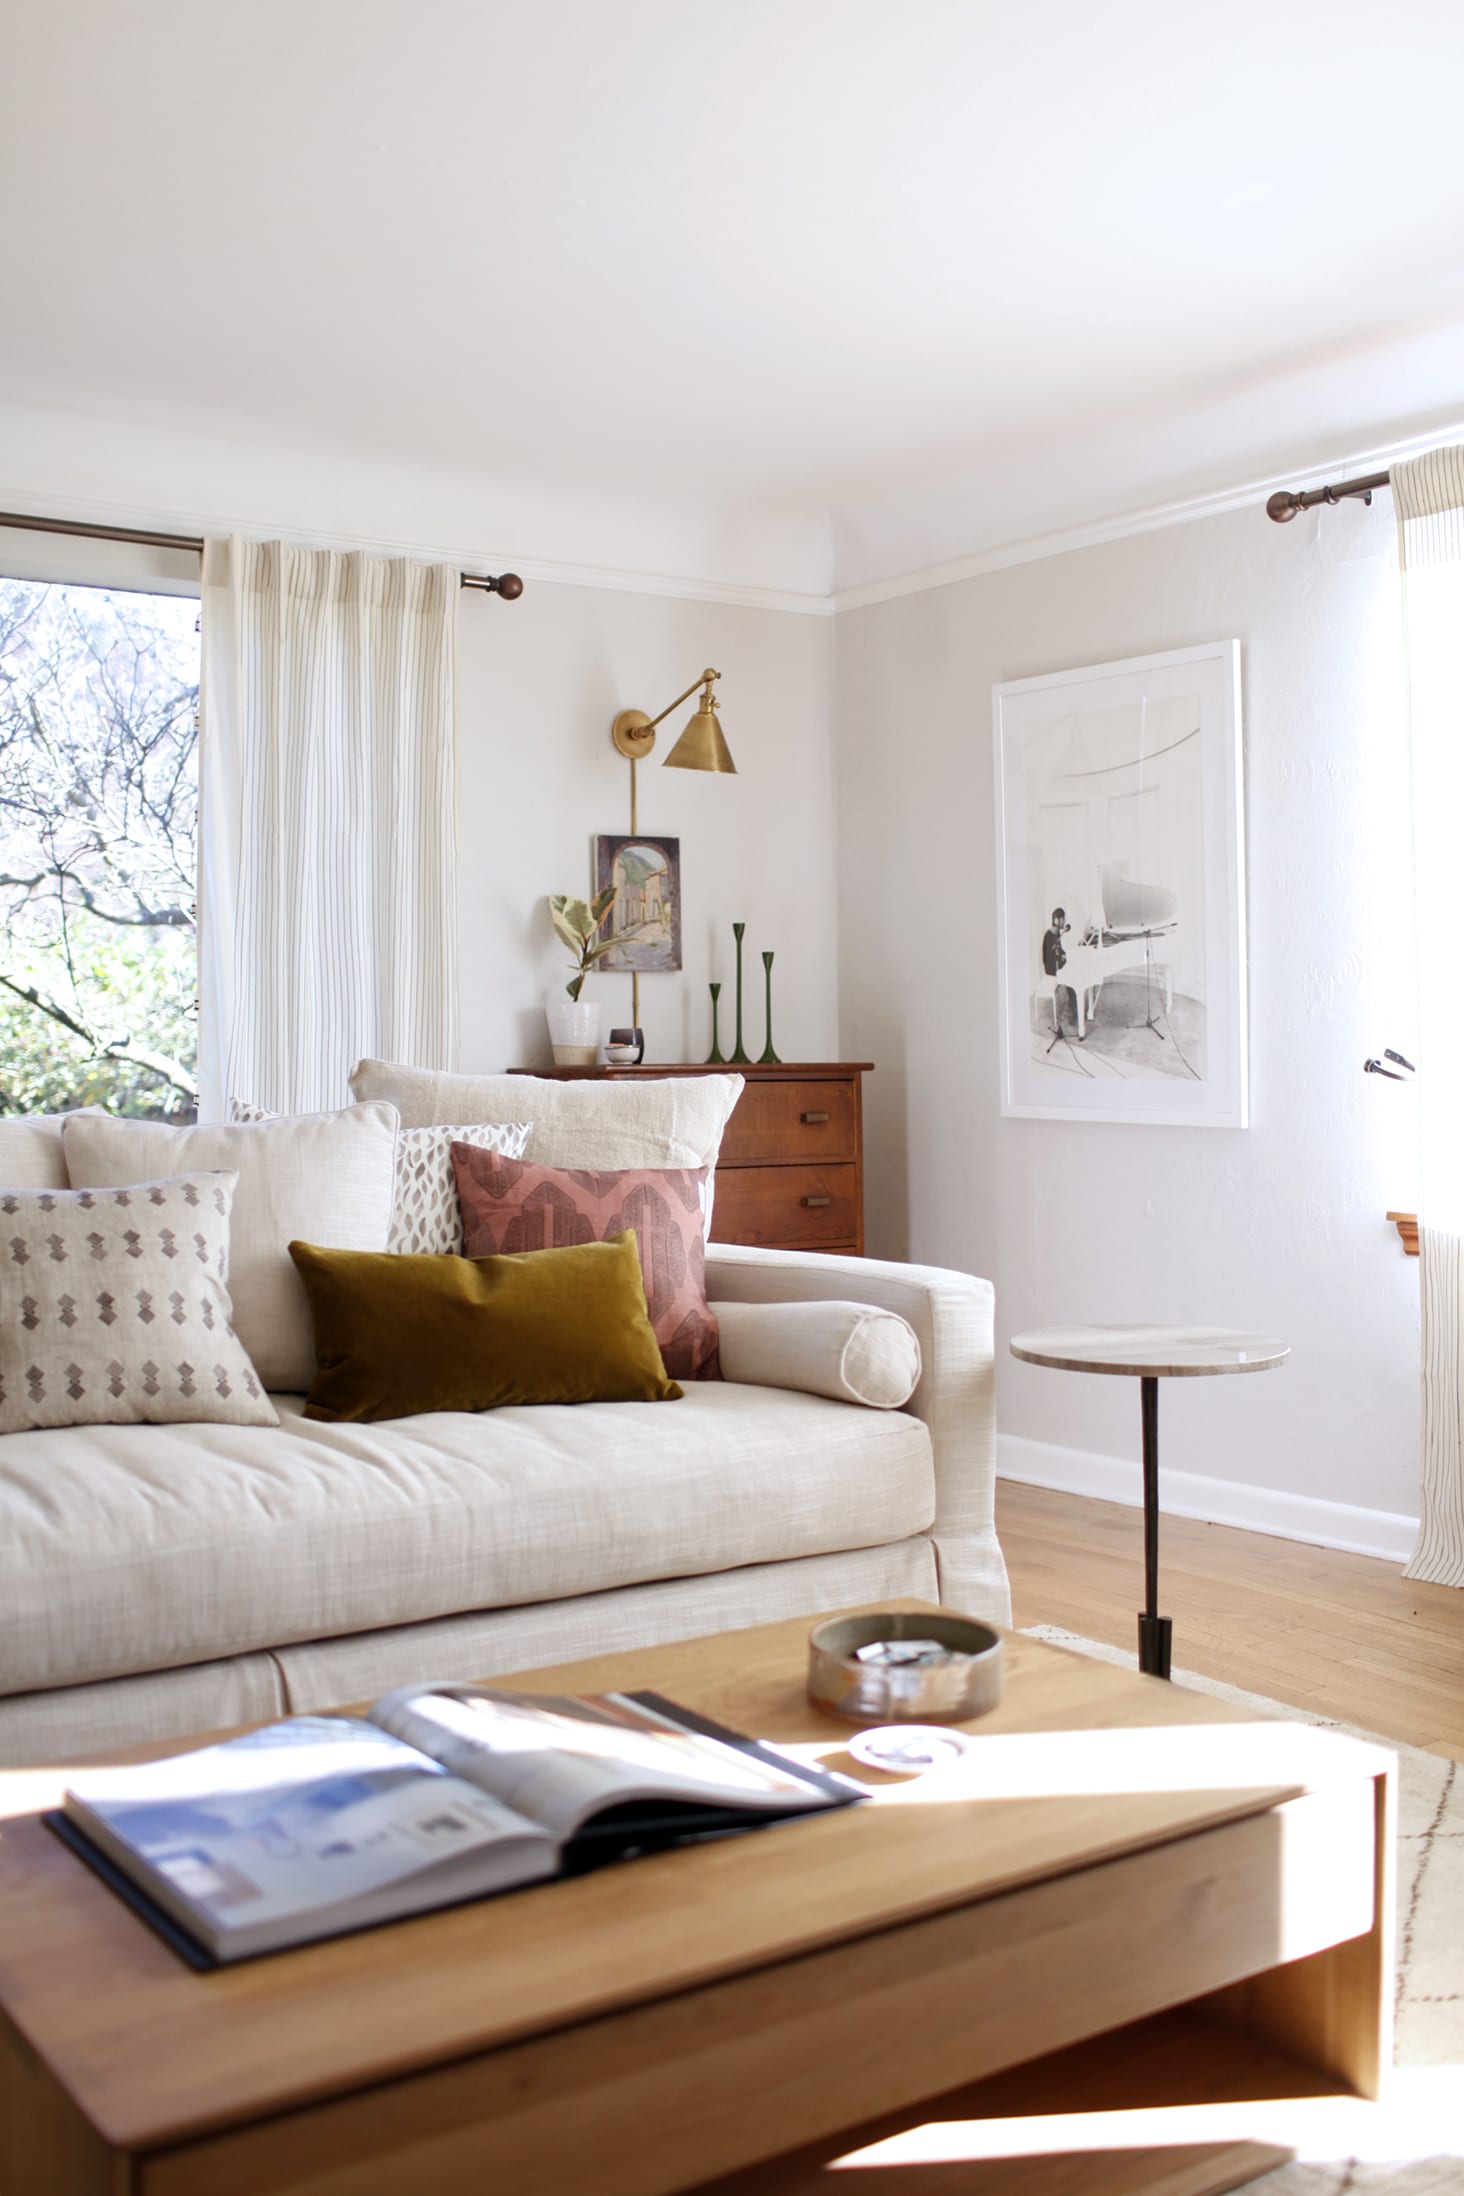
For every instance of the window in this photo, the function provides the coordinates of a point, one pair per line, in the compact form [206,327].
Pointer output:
[98,850]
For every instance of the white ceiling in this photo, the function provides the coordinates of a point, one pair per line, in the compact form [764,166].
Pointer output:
[818,290]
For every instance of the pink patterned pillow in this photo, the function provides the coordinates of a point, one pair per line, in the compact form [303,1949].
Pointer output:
[513,1205]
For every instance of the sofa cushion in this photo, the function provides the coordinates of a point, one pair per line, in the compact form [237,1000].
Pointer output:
[513,1205]
[671,1121]
[31,1152]
[115,1308]
[325,1177]
[128,1548]
[855,1353]
[426,1217]
[397,1335]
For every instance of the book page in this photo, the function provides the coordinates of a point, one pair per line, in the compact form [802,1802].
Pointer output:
[292,1820]
[561,1758]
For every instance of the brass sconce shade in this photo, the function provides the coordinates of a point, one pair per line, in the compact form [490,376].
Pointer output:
[701,745]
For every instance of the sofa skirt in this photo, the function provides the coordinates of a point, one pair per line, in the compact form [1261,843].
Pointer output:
[71,1722]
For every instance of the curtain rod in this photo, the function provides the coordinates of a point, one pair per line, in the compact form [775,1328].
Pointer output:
[1287,501]
[507,584]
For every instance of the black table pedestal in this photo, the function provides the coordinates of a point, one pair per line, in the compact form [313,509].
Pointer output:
[1155,1631]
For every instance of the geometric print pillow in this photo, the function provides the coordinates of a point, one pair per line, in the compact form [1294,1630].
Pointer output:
[426,1217]
[513,1205]
[114,1308]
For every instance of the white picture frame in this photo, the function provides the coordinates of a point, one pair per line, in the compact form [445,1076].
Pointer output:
[1120,867]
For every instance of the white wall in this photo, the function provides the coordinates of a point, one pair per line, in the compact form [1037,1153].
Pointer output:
[1279,1227]
[539,681]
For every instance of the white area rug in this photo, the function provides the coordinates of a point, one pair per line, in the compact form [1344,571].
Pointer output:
[1423,2135]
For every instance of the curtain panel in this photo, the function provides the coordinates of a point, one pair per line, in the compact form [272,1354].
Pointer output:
[1428,493]
[328,916]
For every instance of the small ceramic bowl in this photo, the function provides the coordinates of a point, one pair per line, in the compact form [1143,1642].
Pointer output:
[621,1055]
[965,1681]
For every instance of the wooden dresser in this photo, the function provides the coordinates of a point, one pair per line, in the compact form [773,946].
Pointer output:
[791,1171]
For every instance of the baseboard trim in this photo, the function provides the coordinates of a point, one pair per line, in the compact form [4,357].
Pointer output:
[1271,1510]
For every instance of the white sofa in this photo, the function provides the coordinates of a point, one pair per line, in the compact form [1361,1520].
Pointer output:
[158,1580]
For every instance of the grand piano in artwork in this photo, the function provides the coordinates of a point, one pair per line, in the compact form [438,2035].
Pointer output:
[1139,931]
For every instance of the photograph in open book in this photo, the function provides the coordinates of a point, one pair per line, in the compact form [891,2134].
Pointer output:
[323,1824]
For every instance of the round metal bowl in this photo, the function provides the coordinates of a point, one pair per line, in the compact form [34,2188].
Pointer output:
[966,1684]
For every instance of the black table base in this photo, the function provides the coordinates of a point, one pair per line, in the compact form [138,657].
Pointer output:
[1155,1631]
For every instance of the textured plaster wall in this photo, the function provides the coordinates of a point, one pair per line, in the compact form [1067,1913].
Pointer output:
[1278,1227]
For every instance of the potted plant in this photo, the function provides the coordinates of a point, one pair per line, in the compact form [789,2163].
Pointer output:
[574,1022]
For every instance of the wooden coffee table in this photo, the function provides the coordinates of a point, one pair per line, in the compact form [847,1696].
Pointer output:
[1128,1894]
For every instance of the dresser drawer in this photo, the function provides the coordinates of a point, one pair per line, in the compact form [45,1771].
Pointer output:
[776,1121]
[787,1208]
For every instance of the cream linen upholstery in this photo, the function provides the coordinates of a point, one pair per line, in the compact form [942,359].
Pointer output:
[854,1353]
[125,1548]
[327,1178]
[952,1314]
[675,1122]
[77,1719]
[31,1152]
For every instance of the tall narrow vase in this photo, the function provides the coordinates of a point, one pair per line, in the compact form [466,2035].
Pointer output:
[715,1058]
[738,1057]
[767,1057]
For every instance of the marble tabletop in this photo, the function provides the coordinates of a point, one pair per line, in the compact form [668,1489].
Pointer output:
[1150,1352]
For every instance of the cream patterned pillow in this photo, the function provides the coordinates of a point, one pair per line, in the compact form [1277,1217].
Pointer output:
[425,1216]
[116,1308]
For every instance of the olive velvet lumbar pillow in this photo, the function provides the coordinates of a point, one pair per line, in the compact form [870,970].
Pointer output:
[398,1333]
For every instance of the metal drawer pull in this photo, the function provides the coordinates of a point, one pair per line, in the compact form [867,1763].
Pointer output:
[813,1117]
[811,1202]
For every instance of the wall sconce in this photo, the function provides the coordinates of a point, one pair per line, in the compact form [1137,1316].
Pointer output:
[700,747]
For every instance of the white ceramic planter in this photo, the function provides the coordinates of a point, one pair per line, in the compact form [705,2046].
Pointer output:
[574,1031]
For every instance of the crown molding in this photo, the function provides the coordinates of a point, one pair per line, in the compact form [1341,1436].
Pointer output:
[158,518]
[1145,519]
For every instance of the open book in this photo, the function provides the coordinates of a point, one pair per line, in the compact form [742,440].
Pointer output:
[440,1793]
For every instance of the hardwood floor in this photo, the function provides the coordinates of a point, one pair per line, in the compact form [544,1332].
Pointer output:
[1344,1635]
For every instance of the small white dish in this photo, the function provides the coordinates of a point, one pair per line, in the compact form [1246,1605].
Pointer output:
[909,1749]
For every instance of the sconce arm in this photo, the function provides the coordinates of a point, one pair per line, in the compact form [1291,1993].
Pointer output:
[705,680]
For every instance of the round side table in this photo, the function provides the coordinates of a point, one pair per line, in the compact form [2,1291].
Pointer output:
[1149,1355]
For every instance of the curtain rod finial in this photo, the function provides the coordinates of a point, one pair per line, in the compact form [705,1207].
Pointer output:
[1283,505]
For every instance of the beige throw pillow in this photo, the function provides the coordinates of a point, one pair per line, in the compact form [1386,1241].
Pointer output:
[855,1353]
[426,1219]
[116,1308]
[671,1121]
[324,1178]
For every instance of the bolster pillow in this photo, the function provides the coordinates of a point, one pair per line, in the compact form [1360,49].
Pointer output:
[852,1352]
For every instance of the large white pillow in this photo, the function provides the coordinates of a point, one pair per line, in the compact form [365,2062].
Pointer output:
[426,1219]
[30,1150]
[324,1178]
[675,1121]
[856,1353]
[117,1309]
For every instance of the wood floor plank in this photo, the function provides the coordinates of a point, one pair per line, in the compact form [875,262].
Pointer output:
[1336,1634]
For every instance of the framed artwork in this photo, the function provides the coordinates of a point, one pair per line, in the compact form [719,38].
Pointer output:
[646,874]
[1121,891]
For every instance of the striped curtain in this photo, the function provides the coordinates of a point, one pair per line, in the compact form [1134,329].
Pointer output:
[328,918]
[1429,495]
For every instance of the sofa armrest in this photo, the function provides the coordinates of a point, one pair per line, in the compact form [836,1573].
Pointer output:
[952,1314]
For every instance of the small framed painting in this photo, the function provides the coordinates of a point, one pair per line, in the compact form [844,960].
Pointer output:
[646,918]
[1121,891]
